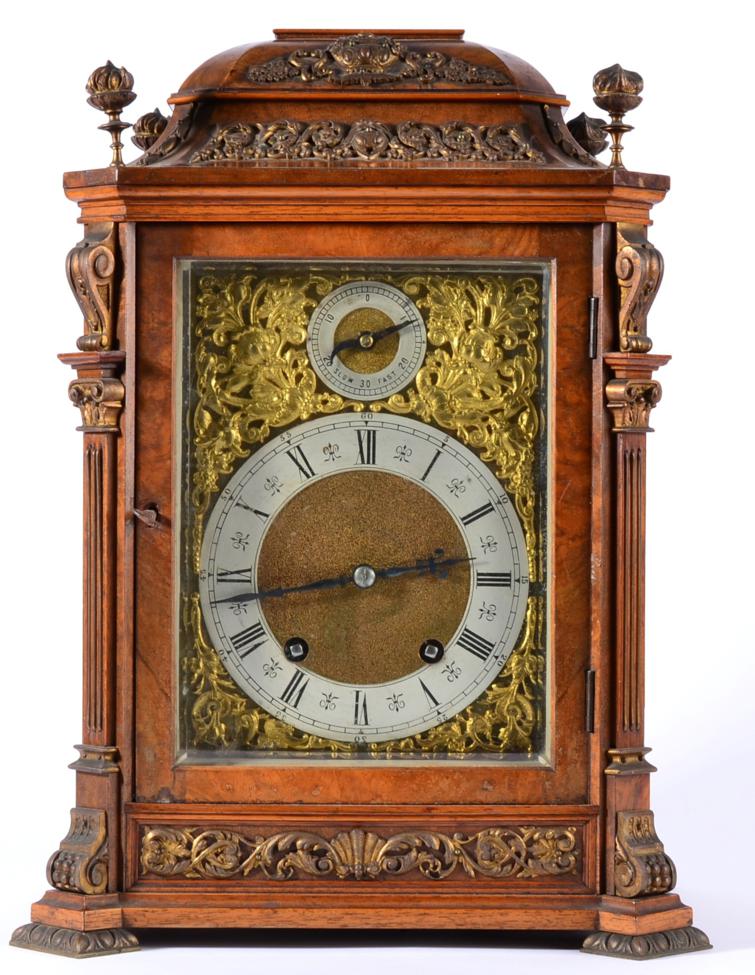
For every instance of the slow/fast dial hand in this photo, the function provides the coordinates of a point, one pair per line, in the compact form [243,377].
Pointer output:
[433,565]
[366,340]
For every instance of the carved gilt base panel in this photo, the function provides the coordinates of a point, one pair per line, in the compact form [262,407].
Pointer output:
[72,943]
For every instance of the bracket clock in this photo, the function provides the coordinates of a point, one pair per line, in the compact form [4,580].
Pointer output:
[365,386]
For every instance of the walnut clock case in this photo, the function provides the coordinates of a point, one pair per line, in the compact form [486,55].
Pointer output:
[365,385]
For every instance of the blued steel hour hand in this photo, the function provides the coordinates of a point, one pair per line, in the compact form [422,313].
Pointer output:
[366,340]
[363,576]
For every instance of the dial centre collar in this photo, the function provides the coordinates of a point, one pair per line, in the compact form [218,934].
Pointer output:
[364,576]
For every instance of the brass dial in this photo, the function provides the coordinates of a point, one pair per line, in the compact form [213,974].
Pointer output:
[363,577]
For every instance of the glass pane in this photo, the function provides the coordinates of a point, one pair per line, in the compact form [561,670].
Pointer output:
[363,476]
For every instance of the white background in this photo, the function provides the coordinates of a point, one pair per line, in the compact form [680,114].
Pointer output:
[693,124]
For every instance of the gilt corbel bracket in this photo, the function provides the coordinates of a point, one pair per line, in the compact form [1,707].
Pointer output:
[91,269]
[639,271]
[642,867]
[81,863]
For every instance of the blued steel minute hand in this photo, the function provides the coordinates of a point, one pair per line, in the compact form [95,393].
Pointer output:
[356,343]
[431,565]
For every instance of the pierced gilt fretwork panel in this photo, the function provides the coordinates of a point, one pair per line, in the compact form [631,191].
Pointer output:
[504,853]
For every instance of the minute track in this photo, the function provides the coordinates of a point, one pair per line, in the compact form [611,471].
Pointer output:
[460,487]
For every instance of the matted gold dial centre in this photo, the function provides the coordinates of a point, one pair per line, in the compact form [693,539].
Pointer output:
[369,356]
[368,632]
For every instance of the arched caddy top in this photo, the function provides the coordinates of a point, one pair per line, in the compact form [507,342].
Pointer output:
[367,98]
[338,63]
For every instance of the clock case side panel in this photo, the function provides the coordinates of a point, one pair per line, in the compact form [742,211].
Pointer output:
[102,391]
[630,393]
[80,916]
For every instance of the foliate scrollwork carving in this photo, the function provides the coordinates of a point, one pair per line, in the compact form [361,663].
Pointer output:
[367,141]
[563,138]
[505,852]
[373,60]
[639,271]
[641,865]
[90,267]
[170,138]
[74,944]
[81,862]
[631,402]
[100,400]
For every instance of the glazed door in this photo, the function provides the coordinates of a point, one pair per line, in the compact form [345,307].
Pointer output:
[213,755]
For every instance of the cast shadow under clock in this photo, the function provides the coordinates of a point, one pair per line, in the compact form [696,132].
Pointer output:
[317,939]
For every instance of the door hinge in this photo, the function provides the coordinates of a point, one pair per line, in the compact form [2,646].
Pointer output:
[590,701]
[592,319]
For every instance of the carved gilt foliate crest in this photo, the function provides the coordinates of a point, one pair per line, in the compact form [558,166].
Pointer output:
[371,60]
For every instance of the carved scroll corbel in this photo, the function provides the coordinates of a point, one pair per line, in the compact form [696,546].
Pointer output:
[81,863]
[642,867]
[639,271]
[91,267]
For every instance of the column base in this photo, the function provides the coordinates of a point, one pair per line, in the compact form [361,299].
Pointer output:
[74,944]
[640,947]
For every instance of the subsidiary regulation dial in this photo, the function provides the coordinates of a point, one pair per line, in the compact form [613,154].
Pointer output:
[366,340]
